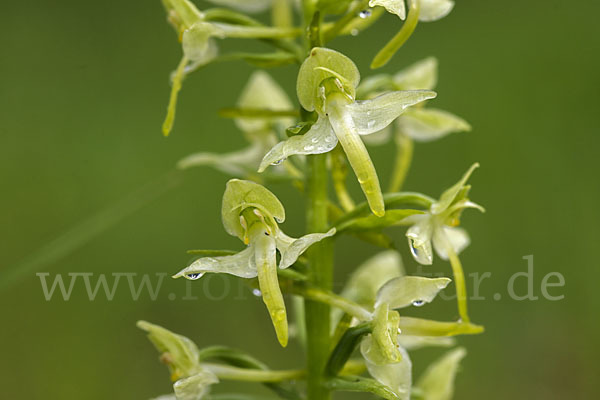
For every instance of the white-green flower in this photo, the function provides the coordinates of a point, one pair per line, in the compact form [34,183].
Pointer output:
[437,229]
[191,380]
[327,84]
[198,39]
[252,213]
[421,123]
[380,285]
[261,92]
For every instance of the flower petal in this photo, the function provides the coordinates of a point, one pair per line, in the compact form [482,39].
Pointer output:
[410,290]
[397,376]
[291,250]
[241,264]
[447,198]
[410,342]
[238,163]
[182,13]
[323,64]
[319,139]
[195,387]
[392,6]
[457,238]
[371,275]
[266,264]
[432,10]
[421,75]
[437,382]
[197,42]
[373,115]
[385,336]
[240,195]
[419,240]
[426,124]
[178,352]
[345,129]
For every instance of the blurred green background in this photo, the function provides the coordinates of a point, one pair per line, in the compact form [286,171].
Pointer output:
[83,92]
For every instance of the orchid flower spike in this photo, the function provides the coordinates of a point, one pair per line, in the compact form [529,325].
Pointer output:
[252,213]
[439,226]
[327,84]
[197,36]
[191,380]
[260,92]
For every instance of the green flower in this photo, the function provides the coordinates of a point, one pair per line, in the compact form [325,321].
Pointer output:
[437,229]
[421,124]
[380,284]
[261,92]
[191,380]
[252,213]
[327,84]
[198,39]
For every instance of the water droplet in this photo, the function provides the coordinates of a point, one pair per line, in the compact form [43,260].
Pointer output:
[314,140]
[193,277]
[256,292]
[418,303]
[321,148]
[328,139]
[370,124]
[354,32]
[365,14]
[368,112]
[399,331]
[309,147]
[278,162]
[413,249]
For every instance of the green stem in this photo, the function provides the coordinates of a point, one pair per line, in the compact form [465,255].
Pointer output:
[401,37]
[459,281]
[341,23]
[404,152]
[390,200]
[320,258]
[252,375]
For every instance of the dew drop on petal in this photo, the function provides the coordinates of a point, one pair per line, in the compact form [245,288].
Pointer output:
[278,162]
[195,276]
[365,14]
[399,331]
[328,139]
[256,292]
[370,124]
[354,32]
[314,140]
[418,303]
[309,147]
